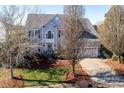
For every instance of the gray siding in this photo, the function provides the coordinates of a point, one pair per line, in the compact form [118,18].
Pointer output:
[54,25]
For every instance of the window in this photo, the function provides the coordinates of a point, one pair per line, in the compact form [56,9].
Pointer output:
[57,18]
[29,34]
[49,35]
[59,33]
[36,32]
[39,49]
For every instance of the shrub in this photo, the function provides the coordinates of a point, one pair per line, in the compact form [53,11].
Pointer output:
[61,57]
[115,57]
[122,59]
[29,60]
[60,54]
[104,53]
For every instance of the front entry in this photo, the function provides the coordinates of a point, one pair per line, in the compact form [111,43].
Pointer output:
[49,48]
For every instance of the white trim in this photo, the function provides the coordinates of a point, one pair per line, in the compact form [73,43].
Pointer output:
[32,30]
[51,32]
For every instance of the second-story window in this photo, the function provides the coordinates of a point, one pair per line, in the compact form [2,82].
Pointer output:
[37,33]
[49,35]
[29,34]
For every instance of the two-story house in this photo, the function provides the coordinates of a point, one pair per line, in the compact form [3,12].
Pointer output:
[44,30]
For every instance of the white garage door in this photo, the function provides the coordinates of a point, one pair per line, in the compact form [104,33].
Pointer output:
[90,52]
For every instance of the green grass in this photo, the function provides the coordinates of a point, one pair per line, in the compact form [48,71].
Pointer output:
[36,77]
[42,76]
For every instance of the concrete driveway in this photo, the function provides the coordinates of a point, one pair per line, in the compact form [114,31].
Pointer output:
[100,71]
[94,66]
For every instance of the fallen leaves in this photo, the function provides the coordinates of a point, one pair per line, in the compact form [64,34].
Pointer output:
[118,67]
[61,63]
[11,83]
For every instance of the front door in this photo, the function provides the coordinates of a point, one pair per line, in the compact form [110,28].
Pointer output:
[49,48]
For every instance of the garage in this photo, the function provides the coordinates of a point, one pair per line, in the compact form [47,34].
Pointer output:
[89,52]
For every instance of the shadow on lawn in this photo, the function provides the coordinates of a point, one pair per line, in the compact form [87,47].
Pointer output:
[40,80]
[43,82]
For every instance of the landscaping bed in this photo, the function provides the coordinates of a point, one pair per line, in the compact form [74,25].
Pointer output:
[118,67]
[82,79]
[61,63]
[48,64]
[11,83]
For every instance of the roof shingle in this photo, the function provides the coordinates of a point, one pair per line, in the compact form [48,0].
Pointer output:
[35,21]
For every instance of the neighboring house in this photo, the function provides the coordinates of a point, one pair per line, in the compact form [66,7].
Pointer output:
[2,32]
[44,30]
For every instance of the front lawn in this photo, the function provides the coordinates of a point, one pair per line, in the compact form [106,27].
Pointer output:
[36,77]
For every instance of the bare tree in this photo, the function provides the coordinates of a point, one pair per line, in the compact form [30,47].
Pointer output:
[73,30]
[13,18]
[35,9]
[111,32]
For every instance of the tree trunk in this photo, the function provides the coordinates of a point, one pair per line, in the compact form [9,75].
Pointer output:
[73,66]
[11,72]
[11,68]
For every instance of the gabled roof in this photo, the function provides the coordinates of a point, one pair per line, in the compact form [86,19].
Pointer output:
[88,26]
[88,35]
[35,21]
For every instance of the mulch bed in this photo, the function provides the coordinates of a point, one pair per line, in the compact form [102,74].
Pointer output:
[48,64]
[118,67]
[61,63]
[11,83]
[81,80]
[80,74]
[79,70]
